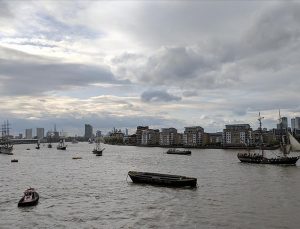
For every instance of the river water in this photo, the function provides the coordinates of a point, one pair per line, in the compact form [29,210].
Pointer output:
[93,192]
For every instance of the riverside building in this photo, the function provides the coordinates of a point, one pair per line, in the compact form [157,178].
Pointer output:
[168,137]
[193,136]
[150,137]
[237,135]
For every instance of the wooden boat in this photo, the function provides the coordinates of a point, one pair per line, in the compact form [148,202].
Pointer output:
[162,179]
[30,198]
[75,158]
[14,160]
[180,152]
[260,158]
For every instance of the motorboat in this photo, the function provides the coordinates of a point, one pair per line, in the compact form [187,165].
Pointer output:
[30,198]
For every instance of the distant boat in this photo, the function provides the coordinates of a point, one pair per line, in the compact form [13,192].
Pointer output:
[76,158]
[30,198]
[162,179]
[260,158]
[49,142]
[5,146]
[180,152]
[38,145]
[61,145]
[14,160]
[97,150]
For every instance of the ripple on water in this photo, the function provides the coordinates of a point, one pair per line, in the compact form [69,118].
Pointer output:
[93,192]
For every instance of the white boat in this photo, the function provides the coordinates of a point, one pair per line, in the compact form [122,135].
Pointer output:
[98,150]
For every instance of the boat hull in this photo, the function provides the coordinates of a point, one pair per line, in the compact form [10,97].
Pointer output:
[162,179]
[258,159]
[97,152]
[179,152]
[31,203]
[62,148]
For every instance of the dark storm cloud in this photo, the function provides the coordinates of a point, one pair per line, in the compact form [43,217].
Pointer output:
[22,76]
[158,96]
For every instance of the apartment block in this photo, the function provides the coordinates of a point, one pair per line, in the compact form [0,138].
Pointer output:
[193,136]
[237,135]
[168,137]
[150,137]
[139,131]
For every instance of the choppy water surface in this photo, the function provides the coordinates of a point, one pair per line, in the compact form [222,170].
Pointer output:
[93,192]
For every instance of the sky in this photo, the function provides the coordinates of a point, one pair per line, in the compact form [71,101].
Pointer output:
[158,63]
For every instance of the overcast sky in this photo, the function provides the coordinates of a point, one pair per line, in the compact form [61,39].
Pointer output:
[157,63]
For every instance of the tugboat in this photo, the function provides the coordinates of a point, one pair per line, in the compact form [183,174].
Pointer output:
[61,145]
[260,158]
[97,150]
[30,198]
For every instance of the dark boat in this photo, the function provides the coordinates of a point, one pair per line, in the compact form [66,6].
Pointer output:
[49,145]
[97,150]
[30,198]
[260,158]
[180,152]
[14,160]
[162,179]
[61,145]
[38,146]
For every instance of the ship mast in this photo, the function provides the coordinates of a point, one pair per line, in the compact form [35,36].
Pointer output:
[282,140]
[260,135]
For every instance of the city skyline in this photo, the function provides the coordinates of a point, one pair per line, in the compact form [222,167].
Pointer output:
[164,64]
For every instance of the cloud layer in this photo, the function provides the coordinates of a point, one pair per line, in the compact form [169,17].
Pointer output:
[196,63]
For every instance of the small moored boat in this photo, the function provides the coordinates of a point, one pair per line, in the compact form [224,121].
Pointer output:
[162,179]
[75,158]
[14,160]
[30,198]
[181,152]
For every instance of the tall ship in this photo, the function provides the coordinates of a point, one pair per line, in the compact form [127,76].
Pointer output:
[288,145]
[5,145]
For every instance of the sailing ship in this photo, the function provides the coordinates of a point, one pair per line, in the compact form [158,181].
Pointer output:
[97,150]
[5,145]
[61,145]
[260,158]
